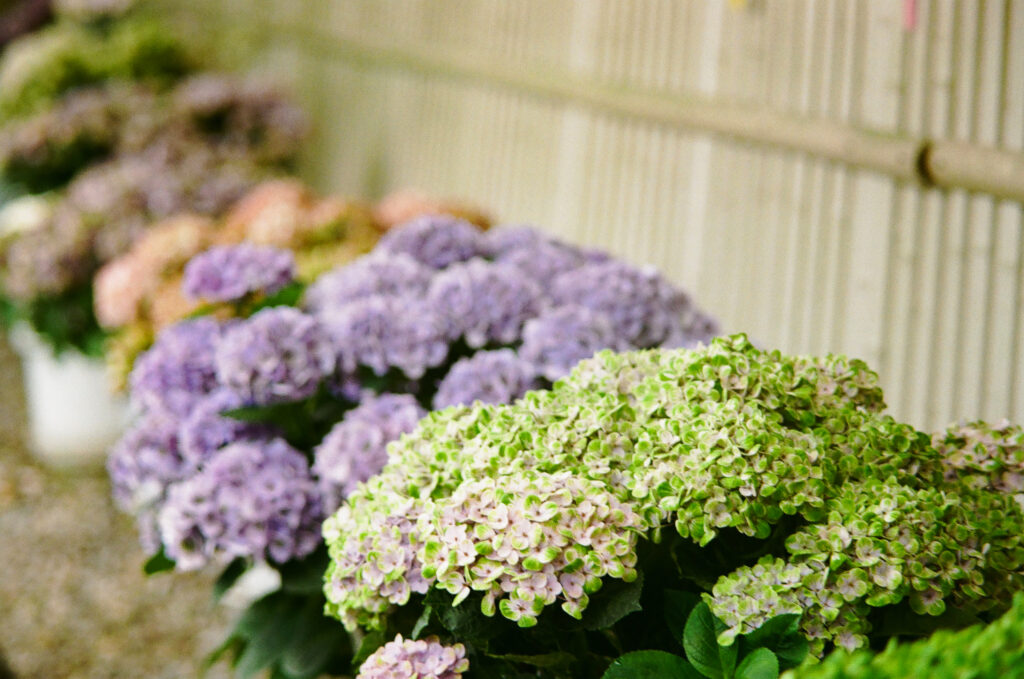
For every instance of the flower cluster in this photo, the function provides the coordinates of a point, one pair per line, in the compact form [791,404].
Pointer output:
[356,448]
[984,455]
[278,355]
[253,499]
[534,503]
[420,659]
[424,319]
[106,116]
[230,273]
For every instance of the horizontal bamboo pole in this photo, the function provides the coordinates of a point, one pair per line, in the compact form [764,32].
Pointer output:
[942,163]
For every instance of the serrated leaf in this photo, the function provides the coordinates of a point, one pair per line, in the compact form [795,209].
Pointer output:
[700,639]
[228,577]
[615,601]
[678,606]
[465,621]
[650,665]
[760,664]
[158,563]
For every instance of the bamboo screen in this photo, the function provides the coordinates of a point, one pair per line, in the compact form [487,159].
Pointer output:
[768,156]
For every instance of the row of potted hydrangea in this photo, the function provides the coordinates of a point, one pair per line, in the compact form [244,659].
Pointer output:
[673,506]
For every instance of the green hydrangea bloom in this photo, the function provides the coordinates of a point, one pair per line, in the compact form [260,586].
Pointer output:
[42,66]
[724,437]
[995,650]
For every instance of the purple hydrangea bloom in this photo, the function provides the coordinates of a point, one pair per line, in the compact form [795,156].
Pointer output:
[506,238]
[384,332]
[145,460]
[642,305]
[278,354]
[228,273]
[205,430]
[178,369]
[141,465]
[488,376]
[434,240]
[254,499]
[484,302]
[543,261]
[558,339]
[375,274]
[421,659]
[696,328]
[356,448]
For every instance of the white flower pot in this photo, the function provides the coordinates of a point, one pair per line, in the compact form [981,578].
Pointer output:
[73,416]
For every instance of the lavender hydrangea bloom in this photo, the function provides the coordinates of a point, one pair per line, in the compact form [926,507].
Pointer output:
[228,273]
[484,302]
[374,274]
[487,376]
[384,332]
[141,465]
[435,240]
[178,369]
[543,261]
[254,499]
[278,354]
[356,448]
[421,659]
[558,339]
[643,306]
[206,430]
[506,238]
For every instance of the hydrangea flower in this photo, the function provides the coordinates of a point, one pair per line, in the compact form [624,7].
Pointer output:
[229,273]
[498,376]
[643,306]
[421,659]
[375,274]
[385,332]
[558,339]
[206,430]
[984,455]
[437,241]
[254,499]
[500,499]
[484,303]
[507,238]
[278,354]
[178,369]
[544,261]
[355,449]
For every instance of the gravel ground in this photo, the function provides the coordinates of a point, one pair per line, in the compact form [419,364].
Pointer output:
[73,599]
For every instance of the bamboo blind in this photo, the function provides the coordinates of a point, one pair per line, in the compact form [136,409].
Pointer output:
[766,156]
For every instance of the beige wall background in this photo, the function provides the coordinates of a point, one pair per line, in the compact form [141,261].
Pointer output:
[828,176]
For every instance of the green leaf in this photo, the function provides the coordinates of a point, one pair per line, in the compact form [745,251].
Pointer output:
[228,578]
[369,643]
[761,664]
[158,563]
[305,576]
[782,636]
[678,606]
[421,622]
[289,295]
[650,665]
[270,634]
[615,601]
[700,639]
[465,622]
[317,641]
